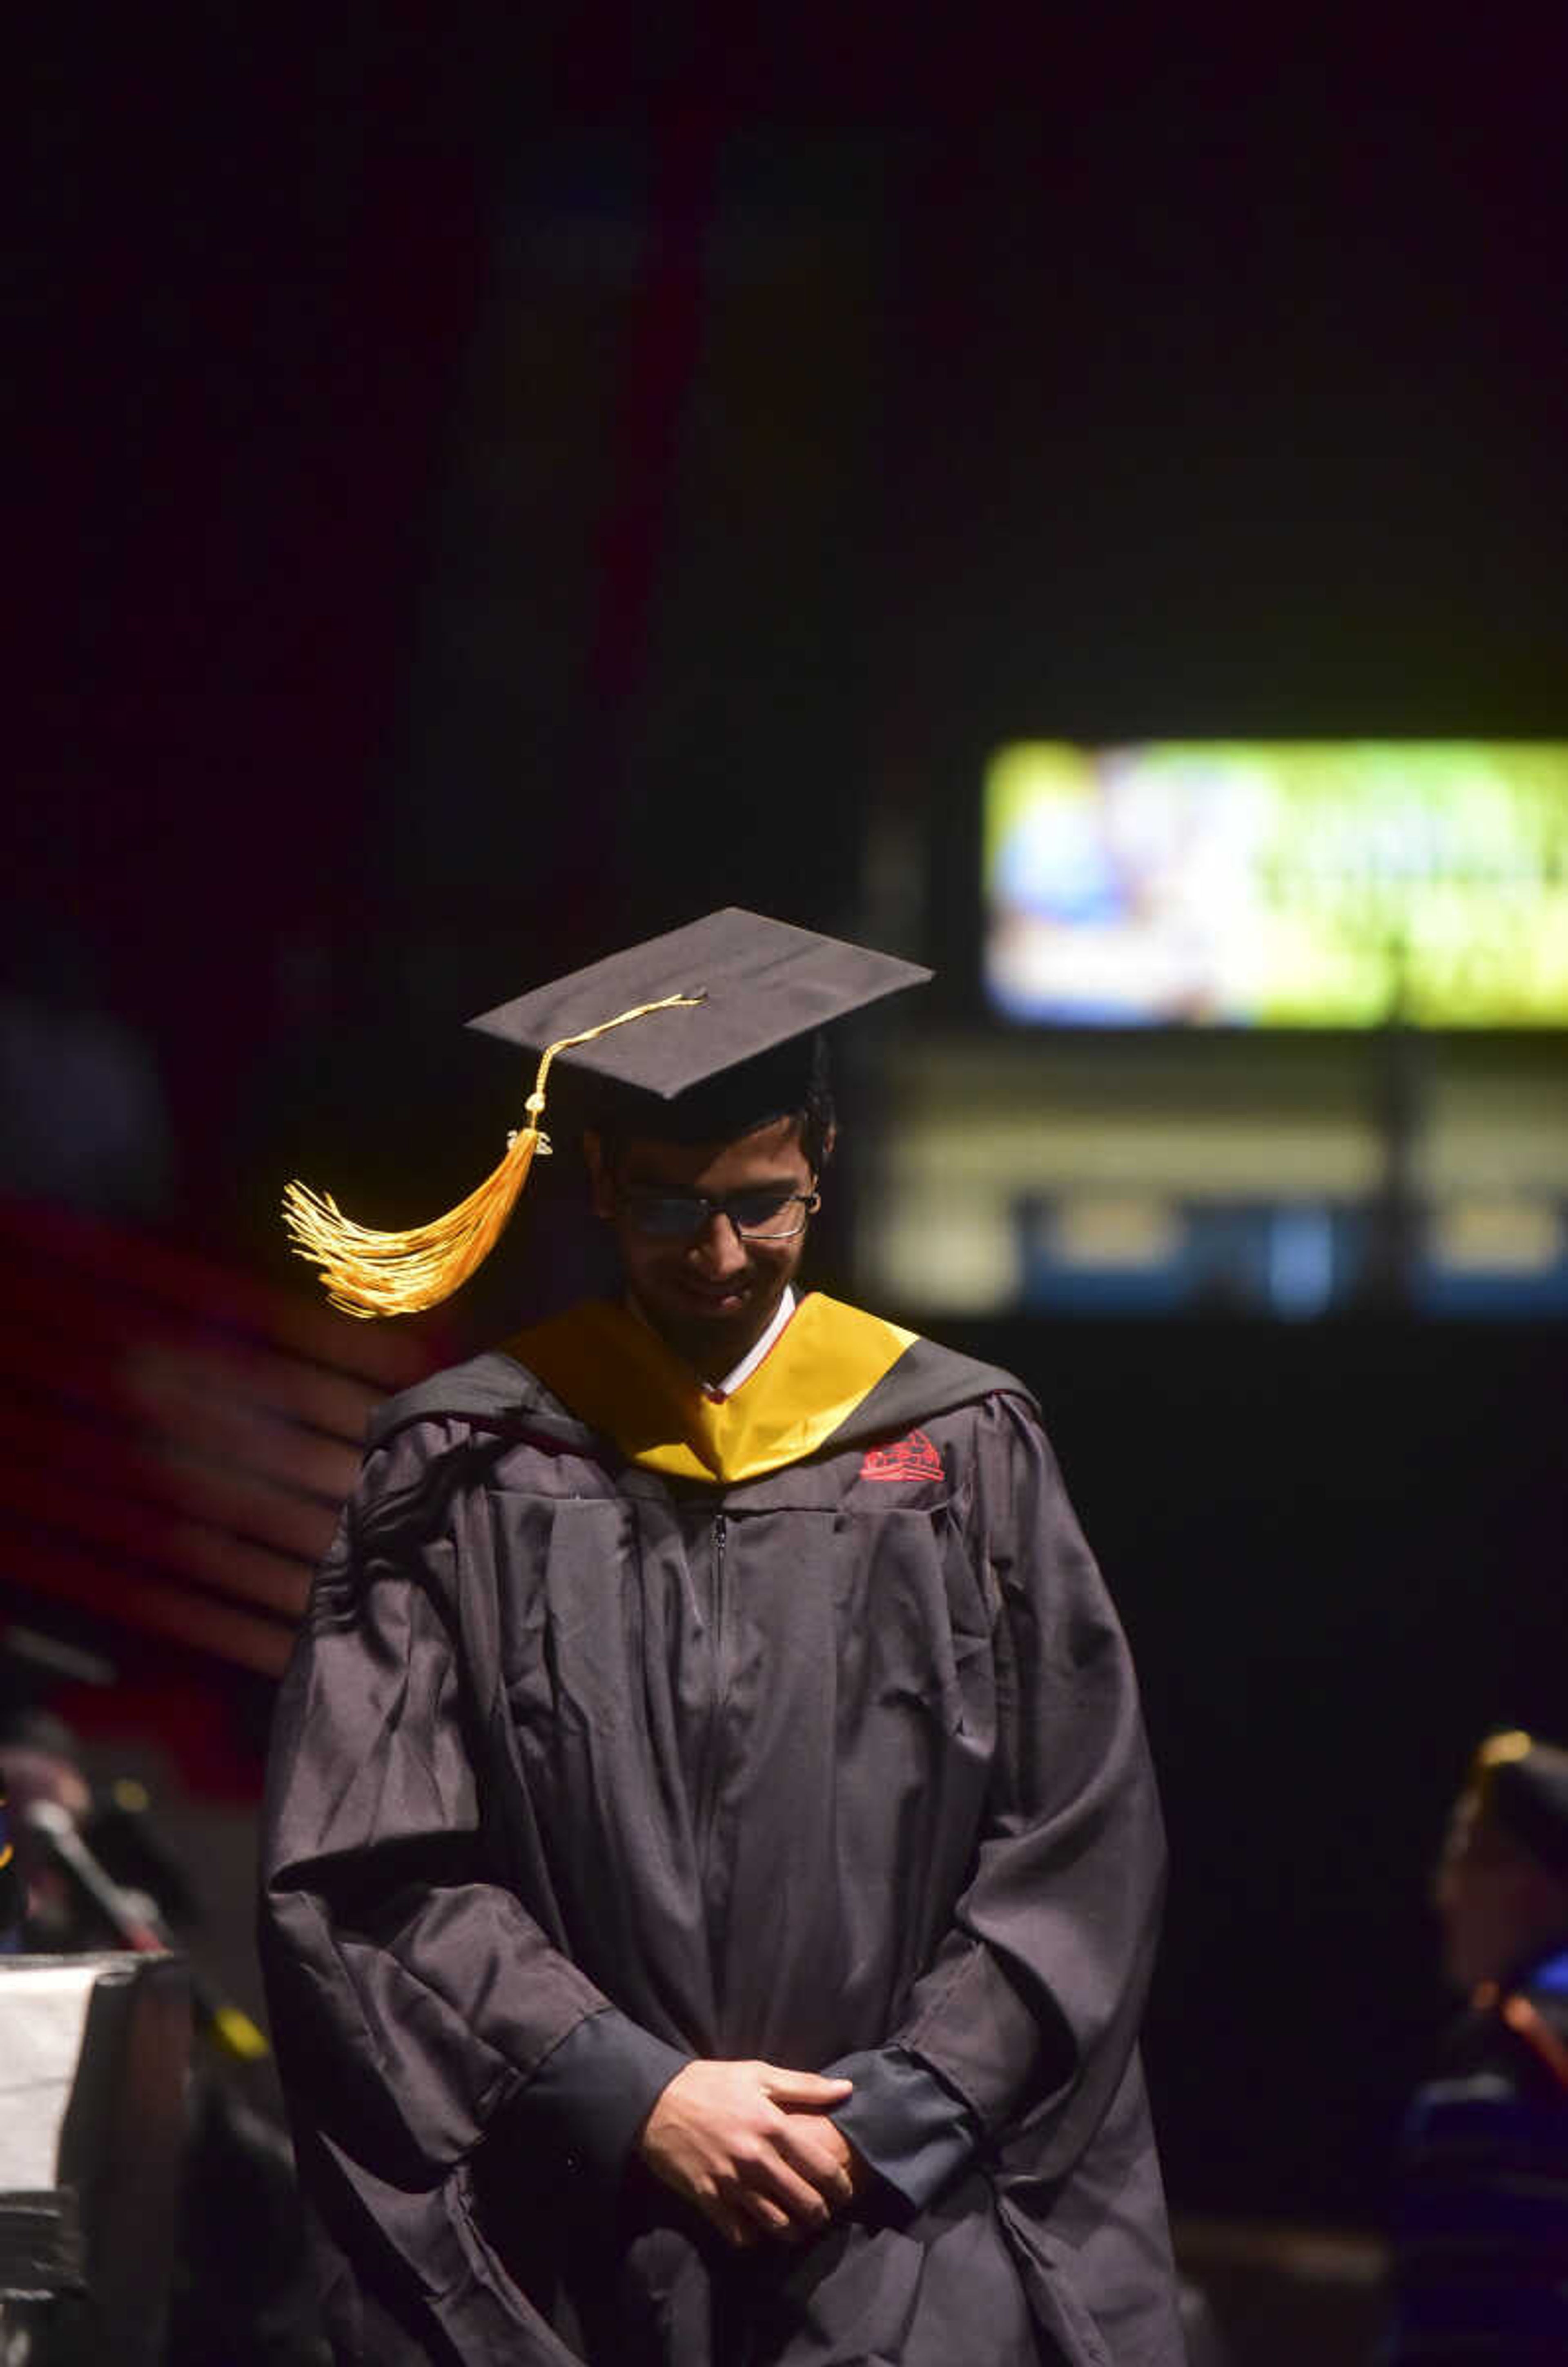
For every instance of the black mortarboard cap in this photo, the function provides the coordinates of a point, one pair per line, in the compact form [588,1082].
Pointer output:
[763,985]
[712,1024]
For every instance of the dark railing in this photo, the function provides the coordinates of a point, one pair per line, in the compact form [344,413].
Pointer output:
[175,1435]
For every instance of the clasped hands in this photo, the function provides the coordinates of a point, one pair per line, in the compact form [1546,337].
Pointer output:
[750,2144]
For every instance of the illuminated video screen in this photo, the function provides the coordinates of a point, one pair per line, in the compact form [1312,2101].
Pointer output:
[1304,883]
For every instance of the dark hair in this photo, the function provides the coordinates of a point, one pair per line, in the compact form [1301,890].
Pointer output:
[795,1083]
[819,1120]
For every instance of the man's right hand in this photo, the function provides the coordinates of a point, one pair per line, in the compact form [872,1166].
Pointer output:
[740,2141]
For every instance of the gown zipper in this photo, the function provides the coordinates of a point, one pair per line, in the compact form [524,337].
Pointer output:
[720,1540]
[715,1708]
[711,1757]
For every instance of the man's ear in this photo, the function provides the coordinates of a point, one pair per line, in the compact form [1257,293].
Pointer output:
[601,1191]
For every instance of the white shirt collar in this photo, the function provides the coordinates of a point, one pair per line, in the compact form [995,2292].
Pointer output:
[755,1353]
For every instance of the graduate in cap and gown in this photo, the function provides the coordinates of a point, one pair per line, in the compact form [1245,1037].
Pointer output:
[712,1861]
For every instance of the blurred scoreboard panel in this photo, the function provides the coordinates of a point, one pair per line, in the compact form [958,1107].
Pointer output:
[1148,1175]
[1274,1026]
[1284,884]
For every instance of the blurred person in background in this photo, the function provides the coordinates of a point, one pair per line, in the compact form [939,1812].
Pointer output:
[40,1770]
[240,2295]
[712,1859]
[1481,2233]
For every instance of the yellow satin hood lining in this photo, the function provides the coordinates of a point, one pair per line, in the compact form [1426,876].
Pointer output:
[618,1375]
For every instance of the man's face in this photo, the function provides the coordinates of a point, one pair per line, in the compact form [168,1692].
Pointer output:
[1496,1902]
[710,1294]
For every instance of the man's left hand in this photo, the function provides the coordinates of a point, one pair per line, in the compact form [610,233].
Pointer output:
[839,2173]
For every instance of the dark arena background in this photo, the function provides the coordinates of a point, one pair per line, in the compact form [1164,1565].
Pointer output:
[485,493]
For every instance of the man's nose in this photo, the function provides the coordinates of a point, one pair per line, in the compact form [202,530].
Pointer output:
[720,1247]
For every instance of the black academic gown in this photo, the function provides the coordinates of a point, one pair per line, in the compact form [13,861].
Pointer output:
[583,1768]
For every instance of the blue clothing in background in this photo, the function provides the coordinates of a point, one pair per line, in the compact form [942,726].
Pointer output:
[1481,2231]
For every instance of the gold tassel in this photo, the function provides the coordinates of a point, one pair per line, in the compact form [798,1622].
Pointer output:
[369,1273]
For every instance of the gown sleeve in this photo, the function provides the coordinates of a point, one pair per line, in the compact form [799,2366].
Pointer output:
[1030,2006]
[412,1996]
[905,2123]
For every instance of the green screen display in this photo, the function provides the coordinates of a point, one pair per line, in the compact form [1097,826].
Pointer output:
[1305,883]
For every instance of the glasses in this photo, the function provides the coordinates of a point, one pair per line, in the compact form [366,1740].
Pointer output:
[756,1216]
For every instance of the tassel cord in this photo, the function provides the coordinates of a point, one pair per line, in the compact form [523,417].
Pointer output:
[369,1273]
